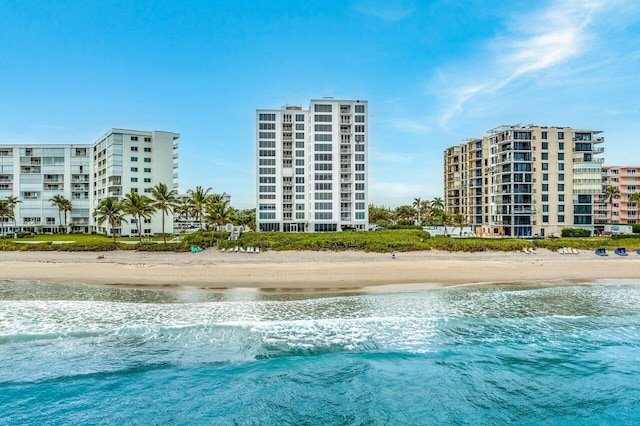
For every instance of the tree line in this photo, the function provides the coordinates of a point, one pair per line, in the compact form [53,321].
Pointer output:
[207,208]
[419,213]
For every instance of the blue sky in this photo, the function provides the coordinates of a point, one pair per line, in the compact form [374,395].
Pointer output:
[434,73]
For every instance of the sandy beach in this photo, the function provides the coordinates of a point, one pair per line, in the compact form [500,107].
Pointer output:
[310,271]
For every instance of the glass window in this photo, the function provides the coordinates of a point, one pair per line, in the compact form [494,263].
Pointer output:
[560,135]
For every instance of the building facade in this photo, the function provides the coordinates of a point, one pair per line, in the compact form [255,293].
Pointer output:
[620,211]
[311,167]
[120,161]
[537,180]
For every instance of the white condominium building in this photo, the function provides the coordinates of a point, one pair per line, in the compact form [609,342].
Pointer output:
[311,167]
[35,174]
[120,161]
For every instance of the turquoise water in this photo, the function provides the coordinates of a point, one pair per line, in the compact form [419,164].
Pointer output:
[467,355]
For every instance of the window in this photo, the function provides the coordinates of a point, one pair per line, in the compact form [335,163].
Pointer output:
[299,117]
[560,176]
[324,215]
[545,187]
[321,108]
[147,149]
[134,159]
[359,186]
[560,146]
[359,109]
[321,118]
[134,179]
[267,135]
[300,161]
[267,117]
[267,126]
[561,187]
[544,156]
[300,126]
[147,169]
[545,208]
[134,169]
[134,189]
[359,128]
[561,218]
[545,145]
[322,127]
[359,118]
[560,135]
[267,144]
[134,138]
[147,160]
[560,156]
[545,218]
[134,148]
[545,176]
[560,207]
[322,137]
[147,139]
[544,135]
[561,198]
[360,167]
[560,166]
[320,147]
[147,180]
[359,176]
[545,166]
[300,135]
[545,197]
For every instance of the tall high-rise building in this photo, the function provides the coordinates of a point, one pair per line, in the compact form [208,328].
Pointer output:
[120,161]
[620,210]
[536,180]
[311,167]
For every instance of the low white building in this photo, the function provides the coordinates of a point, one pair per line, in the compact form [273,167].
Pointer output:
[118,162]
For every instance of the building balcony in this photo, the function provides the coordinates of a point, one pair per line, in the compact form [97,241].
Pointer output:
[175,175]
[175,166]
[176,145]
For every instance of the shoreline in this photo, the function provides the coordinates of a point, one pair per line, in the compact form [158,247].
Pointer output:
[313,272]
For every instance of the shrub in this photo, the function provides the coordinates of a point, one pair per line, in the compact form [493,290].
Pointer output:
[636,228]
[575,233]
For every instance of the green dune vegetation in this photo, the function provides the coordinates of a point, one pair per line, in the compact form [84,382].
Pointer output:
[400,240]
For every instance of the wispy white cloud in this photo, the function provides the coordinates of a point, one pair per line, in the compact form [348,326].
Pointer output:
[534,45]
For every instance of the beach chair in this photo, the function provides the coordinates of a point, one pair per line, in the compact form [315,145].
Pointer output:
[242,249]
[236,249]
[621,251]
[601,252]
[250,249]
[258,250]
[222,249]
[526,250]
[574,251]
[532,250]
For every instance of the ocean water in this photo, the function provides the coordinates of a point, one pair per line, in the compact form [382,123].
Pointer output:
[514,354]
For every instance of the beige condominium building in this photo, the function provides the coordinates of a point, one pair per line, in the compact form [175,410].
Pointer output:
[535,180]
[311,167]
[120,161]
[620,210]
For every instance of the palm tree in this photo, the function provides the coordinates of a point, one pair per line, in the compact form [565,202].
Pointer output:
[437,204]
[110,210]
[635,198]
[62,204]
[611,193]
[66,208]
[5,212]
[417,204]
[139,207]
[458,220]
[13,202]
[165,201]
[198,199]
[218,213]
